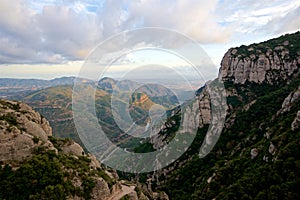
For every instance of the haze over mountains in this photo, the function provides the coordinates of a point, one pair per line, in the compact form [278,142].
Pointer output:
[53,99]
[20,87]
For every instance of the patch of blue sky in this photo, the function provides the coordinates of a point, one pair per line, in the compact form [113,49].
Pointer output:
[91,8]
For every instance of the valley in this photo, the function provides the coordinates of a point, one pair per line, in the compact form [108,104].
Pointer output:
[255,157]
[54,102]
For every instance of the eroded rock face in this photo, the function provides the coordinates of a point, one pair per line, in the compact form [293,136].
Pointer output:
[73,148]
[101,191]
[272,149]
[133,196]
[21,130]
[290,99]
[296,123]
[269,67]
[204,108]
[254,153]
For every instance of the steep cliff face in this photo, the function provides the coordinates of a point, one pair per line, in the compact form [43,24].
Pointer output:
[269,62]
[257,153]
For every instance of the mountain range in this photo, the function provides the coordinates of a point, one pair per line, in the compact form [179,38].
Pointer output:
[53,99]
[257,155]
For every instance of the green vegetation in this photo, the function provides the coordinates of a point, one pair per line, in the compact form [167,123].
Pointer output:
[229,167]
[35,140]
[48,175]
[126,197]
[10,119]
[144,148]
[290,42]
[35,178]
[10,105]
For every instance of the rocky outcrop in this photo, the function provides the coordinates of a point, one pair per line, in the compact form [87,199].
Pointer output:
[289,100]
[204,108]
[21,131]
[257,79]
[296,123]
[254,153]
[272,149]
[101,190]
[259,64]
[73,148]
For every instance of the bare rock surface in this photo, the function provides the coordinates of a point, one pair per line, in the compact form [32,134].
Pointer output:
[258,67]
[21,130]
[296,123]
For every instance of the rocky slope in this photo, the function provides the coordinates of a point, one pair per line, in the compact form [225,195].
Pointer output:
[274,62]
[257,154]
[21,130]
[36,165]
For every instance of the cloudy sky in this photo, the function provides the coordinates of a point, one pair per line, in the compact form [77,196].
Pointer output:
[52,38]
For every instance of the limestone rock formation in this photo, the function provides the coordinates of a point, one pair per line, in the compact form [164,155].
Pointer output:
[263,93]
[240,65]
[254,153]
[290,99]
[73,148]
[296,123]
[101,190]
[204,108]
[21,130]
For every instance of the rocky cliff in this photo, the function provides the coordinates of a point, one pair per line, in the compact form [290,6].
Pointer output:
[257,154]
[269,62]
[21,130]
[274,62]
[36,165]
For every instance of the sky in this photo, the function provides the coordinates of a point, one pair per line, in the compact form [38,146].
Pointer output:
[53,38]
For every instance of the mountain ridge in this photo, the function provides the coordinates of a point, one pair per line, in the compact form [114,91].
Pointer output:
[36,165]
[257,154]
[261,62]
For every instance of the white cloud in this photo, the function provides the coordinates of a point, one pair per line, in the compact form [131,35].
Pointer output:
[289,22]
[57,31]
[53,34]
[194,18]
[248,16]
[67,32]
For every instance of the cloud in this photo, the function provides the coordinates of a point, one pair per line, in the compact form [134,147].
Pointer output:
[51,34]
[67,32]
[289,22]
[15,32]
[195,18]
[248,16]
[59,31]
